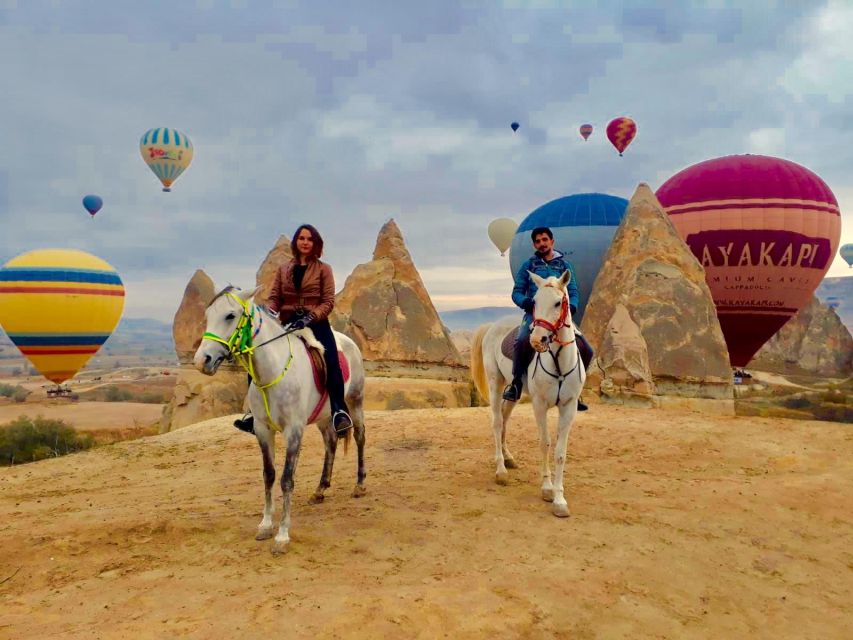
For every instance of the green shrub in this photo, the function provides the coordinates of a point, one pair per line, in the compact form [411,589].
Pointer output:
[114,394]
[27,440]
[20,394]
[796,403]
[6,390]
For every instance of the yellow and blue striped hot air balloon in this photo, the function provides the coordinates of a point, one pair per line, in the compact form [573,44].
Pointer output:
[59,306]
[167,152]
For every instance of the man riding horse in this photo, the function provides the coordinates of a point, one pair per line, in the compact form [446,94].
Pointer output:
[545,262]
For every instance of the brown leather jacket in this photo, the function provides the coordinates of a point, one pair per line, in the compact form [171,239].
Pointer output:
[317,295]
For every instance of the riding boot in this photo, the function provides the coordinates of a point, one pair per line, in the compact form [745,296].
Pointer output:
[246,423]
[520,360]
[585,351]
[335,386]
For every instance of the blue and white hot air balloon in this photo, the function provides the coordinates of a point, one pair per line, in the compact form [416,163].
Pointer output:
[583,226]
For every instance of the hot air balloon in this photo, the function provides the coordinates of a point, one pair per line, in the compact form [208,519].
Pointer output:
[501,233]
[620,132]
[514,126]
[59,306]
[765,230]
[586,131]
[833,302]
[847,254]
[92,204]
[583,226]
[167,152]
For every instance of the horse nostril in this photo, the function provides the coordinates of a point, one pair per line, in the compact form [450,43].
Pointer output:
[206,359]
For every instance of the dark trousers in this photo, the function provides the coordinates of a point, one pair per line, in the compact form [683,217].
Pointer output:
[523,352]
[334,376]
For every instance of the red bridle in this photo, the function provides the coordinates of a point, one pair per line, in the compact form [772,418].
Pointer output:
[553,328]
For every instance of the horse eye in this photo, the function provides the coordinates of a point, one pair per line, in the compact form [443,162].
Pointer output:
[230,316]
[557,304]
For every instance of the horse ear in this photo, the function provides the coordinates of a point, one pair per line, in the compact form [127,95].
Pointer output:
[245,296]
[536,279]
[565,278]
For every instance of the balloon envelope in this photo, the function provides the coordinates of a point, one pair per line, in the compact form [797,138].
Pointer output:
[583,225]
[501,233]
[92,204]
[847,254]
[620,132]
[765,230]
[586,131]
[58,306]
[167,152]
[514,126]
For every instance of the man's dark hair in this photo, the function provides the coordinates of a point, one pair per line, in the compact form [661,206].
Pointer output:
[317,251]
[539,230]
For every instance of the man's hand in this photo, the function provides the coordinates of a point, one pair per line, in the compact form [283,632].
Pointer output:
[528,305]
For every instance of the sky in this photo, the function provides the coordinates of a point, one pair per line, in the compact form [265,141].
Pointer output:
[347,114]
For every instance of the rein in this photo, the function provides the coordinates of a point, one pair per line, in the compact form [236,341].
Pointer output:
[241,349]
[553,328]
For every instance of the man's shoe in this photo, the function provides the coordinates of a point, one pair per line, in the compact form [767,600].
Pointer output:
[246,423]
[582,406]
[513,391]
[342,422]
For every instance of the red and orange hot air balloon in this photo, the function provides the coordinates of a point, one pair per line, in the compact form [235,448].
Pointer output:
[620,132]
[766,231]
[585,131]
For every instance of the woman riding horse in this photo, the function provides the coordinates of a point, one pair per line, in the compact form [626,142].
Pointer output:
[303,295]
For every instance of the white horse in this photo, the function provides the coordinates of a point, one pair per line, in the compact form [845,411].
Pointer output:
[283,396]
[555,377]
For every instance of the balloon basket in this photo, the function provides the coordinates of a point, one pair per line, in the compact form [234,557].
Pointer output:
[59,391]
[167,190]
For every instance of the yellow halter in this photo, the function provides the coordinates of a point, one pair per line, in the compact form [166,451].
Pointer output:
[240,347]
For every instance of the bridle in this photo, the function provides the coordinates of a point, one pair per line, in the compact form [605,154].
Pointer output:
[241,349]
[554,328]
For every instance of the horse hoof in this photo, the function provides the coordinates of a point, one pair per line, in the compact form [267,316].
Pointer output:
[548,495]
[560,510]
[502,478]
[317,498]
[279,548]
[359,491]
[264,534]
[509,463]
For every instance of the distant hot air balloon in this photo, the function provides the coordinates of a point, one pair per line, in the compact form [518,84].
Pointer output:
[501,232]
[59,306]
[620,132]
[765,230]
[833,302]
[583,225]
[586,131]
[847,254]
[167,152]
[514,126]
[92,204]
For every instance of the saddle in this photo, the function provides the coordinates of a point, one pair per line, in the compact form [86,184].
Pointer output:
[318,367]
[508,343]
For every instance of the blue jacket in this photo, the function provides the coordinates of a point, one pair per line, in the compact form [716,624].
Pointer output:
[525,287]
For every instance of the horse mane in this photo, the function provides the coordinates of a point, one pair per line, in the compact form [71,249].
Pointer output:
[227,289]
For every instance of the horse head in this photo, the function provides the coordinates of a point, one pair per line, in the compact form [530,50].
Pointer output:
[228,325]
[551,311]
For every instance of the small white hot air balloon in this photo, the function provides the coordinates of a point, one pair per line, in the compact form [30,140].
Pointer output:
[501,233]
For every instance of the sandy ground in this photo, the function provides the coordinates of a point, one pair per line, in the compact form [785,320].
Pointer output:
[88,416]
[683,526]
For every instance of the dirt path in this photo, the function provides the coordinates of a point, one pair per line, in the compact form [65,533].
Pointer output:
[87,416]
[683,526]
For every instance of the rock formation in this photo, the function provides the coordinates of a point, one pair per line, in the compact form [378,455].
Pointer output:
[188,325]
[386,309]
[653,276]
[199,397]
[815,341]
[278,255]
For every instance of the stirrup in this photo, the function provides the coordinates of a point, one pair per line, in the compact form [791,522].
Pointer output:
[513,392]
[341,421]
[582,405]
[246,423]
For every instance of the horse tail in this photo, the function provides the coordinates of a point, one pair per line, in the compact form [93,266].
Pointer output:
[478,369]
[346,436]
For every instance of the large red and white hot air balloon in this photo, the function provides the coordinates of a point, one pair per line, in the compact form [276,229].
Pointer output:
[766,231]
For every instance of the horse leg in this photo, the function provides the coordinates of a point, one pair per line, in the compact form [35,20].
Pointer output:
[358,418]
[500,414]
[330,441]
[294,442]
[540,410]
[568,412]
[266,440]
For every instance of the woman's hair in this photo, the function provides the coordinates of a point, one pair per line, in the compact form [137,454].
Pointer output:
[317,251]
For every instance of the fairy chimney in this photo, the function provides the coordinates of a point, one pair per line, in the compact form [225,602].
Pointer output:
[651,272]
[188,325]
[277,256]
[385,308]
[814,341]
